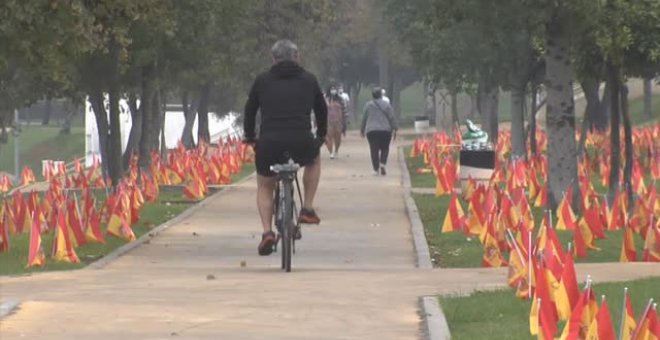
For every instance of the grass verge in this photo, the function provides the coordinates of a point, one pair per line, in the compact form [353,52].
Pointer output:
[500,315]
[418,180]
[38,142]
[170,203]
[455,250]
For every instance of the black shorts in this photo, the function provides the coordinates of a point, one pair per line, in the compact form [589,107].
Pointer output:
[272,150]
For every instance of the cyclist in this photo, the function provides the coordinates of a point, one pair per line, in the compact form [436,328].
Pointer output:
[286,95]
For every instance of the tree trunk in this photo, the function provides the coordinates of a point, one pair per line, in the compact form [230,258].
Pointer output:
[532,119]
[133,144]
[590,89]
[158,116]
[148,123]
[648,97]
[383,67]
[162,115]
[357,111]
[518,147]
[455,120]
[487,104]
[189,114]
[614,79]
[442,122]
[68,119]
[560,120]
[48,109]
[601,120]
[102,126]
[396,98]
[627,136]
[203,115]
[114,146]
[494,119]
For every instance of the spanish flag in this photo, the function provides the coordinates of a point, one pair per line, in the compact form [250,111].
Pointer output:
[195,189]
[565,215]
[649,325]
[118,223]
[628,252]
[455,218]
[36,256]
[62,246]
[601,327]
[5,184]
[651,251]
[542,198]
[629,323]
[93,232]
[27,176]
[492,255]
[567,294]
[582,315]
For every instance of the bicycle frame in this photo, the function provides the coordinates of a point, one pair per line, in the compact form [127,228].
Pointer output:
[284,208]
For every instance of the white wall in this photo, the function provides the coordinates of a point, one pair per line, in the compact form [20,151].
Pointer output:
[174,122]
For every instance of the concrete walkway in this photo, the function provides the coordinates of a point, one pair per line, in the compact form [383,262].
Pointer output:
[353,277]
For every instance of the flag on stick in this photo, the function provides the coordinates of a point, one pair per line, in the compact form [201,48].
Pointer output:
[36,256]
[455,218]
[62,246]
[628,323]
[601,327]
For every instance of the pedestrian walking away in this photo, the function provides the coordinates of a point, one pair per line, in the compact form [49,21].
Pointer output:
[336,116]
[379,126]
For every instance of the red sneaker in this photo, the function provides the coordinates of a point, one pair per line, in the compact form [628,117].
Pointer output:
[308,216]
[267,242]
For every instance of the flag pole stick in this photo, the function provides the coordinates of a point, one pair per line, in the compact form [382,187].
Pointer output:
[529,262]
[623,313]
[641,318]
[80,217]
[515,246]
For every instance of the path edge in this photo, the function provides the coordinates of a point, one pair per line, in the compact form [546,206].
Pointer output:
[8,307]
[117,253]
[416,226]
[434,319]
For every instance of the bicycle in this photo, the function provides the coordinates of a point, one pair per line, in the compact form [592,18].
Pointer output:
[284,209]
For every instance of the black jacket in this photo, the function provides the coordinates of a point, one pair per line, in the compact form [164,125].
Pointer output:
[286,95]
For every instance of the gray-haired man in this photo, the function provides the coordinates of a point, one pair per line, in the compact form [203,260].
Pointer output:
[286,95]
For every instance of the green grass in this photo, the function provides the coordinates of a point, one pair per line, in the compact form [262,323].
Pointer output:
[637,110]
[38,142]
[449,250]
[418,180]
[246,170]
[500,315]
[170,203]
[152,214]
[455,250]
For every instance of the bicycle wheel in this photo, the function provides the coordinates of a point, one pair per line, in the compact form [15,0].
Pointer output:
[287,227]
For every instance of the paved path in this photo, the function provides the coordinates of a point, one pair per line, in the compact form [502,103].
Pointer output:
[354,276]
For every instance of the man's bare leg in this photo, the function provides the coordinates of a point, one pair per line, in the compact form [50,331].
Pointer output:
[265,190]
[311,177]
